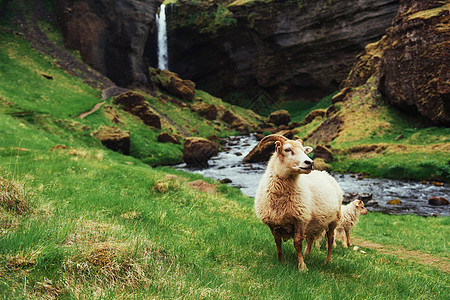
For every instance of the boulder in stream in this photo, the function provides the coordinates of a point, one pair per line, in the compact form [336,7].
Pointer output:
[197,151]
[394,202]
[437,201]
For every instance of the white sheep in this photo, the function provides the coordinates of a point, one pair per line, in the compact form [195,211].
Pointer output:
[295,201]
[350,216]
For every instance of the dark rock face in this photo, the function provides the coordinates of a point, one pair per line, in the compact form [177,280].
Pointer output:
[110,35]
[289,49]
[411,62]
[414,70]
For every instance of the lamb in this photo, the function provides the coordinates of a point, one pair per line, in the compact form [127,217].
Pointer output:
[295,201]
[350,216]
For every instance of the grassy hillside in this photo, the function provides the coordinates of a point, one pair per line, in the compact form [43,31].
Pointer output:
[92,223]
[80,221]
[37,95]
[373,138]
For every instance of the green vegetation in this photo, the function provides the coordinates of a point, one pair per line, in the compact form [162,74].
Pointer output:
[45,98]
[210,21]
[80,221]
[300,109]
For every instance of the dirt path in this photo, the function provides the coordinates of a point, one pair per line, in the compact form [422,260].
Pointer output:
[94,109]
[410,255]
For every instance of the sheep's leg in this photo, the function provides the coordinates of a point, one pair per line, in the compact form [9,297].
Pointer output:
[299,236]
[343,236]
[347,235]
[309,242]
[278,242]
[318,242]
[330,240]
[340,234]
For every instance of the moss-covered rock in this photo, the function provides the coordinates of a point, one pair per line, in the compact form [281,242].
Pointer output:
[136,104]
[209,111]
[114,138]
[172,83]
[280,117]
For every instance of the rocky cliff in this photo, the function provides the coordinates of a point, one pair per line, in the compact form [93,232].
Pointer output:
[411,62]
[291,49]
[110,35]
[418,53]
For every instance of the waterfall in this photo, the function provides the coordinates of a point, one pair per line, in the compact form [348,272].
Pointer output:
[163,56]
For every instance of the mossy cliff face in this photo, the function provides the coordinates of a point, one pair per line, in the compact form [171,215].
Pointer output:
[291,49]
[110,35]
[415,66]
[411,62]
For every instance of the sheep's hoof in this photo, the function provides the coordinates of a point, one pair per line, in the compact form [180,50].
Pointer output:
[302,267]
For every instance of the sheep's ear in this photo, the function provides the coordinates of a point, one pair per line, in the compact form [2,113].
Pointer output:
[278,146]
[308,149]
[357,203]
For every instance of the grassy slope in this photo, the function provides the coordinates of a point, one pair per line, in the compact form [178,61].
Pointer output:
[112,234]
[97,227]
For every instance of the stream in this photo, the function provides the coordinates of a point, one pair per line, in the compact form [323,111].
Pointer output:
[413,195]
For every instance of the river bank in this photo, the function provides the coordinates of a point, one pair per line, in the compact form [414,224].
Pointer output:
[228,167]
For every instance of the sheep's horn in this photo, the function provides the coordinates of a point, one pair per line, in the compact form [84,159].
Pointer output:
[271,138]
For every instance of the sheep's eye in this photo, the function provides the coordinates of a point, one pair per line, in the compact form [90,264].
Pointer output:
[287,150]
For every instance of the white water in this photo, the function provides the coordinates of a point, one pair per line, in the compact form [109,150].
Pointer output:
[163,56]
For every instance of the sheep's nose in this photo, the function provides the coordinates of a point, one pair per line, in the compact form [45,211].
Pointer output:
[308,162]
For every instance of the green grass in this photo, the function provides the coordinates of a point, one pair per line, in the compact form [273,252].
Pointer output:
[183,243]
[63,96]
[417,165]
[300,109]
[406,232]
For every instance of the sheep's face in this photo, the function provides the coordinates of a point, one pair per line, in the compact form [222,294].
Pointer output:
[360,206]
[294,156]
